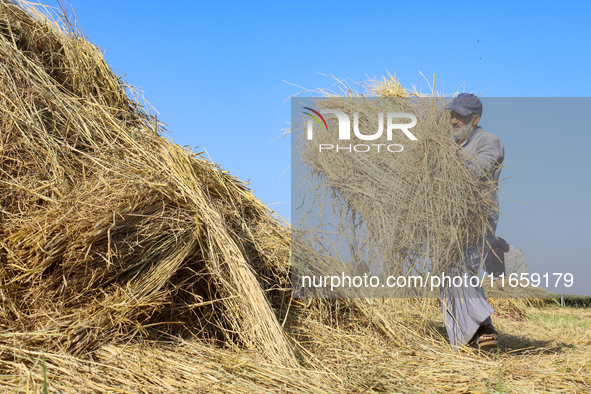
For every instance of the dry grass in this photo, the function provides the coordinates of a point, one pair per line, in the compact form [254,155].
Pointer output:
[411,211]
[347,352]
[108,229]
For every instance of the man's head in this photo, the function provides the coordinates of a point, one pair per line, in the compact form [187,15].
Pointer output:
[466,110]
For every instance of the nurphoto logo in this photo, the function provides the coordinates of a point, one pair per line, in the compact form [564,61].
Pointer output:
[344,134]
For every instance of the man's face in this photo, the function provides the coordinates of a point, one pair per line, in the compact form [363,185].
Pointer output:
[462,124]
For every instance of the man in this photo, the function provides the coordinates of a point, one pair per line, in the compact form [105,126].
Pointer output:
[466,311]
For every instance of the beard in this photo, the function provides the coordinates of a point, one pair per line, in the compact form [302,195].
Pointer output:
[458,134]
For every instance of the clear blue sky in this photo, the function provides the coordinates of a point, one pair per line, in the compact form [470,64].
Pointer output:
[215,72]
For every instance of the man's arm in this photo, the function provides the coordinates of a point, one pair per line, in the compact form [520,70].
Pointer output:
[486,156]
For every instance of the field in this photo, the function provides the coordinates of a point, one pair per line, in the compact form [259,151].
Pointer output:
[546,352]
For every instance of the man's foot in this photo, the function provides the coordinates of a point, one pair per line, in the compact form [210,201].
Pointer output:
[487,336]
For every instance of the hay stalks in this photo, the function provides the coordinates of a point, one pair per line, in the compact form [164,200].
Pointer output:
[420,207]
[109,229]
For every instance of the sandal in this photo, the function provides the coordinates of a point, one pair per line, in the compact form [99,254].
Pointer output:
[492,336]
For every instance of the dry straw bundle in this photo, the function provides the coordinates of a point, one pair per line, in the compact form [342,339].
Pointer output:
[420,204]
[107,228]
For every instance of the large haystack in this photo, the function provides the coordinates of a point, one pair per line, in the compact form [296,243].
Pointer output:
[108,229]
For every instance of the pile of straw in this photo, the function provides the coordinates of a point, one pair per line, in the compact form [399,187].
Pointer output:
[381,348]
[419,208]
[109,230]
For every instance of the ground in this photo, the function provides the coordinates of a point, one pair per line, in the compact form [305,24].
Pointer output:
[544,350]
